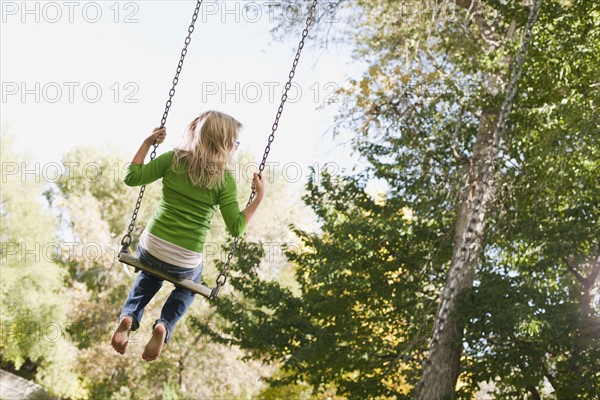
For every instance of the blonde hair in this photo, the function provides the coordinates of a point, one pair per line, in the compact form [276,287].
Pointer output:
[207,148]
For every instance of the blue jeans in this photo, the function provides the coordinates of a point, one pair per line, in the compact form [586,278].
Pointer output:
[146,286]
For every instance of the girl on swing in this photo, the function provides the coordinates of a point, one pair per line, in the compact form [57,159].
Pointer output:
[195,181]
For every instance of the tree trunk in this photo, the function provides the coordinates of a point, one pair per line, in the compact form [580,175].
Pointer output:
[441,373]
[587,323]
[441,370]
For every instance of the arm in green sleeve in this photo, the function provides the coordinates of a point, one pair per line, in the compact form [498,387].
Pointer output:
[138,175]
[230,209]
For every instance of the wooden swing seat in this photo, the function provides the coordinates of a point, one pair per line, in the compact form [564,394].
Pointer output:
[189,284]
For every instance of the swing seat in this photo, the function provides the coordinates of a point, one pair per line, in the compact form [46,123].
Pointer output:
[189,284]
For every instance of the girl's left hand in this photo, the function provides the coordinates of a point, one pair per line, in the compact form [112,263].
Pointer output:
[158,136]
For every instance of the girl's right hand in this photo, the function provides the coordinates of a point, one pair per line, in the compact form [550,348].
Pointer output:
[258,185]
[158,136]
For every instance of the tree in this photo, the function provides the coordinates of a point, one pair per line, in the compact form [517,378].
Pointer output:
[378,110]
[544,228]
[441,369]
[423,115]
[33,297]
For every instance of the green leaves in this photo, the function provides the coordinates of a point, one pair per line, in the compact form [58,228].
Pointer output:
[365,270]
[368,281]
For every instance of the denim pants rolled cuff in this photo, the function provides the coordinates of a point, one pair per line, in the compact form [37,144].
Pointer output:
[168,327]
[135,323]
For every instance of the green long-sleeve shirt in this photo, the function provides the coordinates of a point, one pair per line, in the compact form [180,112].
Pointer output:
[184,212]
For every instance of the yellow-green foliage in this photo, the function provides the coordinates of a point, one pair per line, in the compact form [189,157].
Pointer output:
[33,297]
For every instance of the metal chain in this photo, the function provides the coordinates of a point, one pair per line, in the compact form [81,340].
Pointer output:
[222,278]
[466,253]
[126,241]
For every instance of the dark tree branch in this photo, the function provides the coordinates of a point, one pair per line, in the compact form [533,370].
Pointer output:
[572,268]
[589,281]
[534,393]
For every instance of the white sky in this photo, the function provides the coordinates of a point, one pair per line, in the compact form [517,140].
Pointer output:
[229,51]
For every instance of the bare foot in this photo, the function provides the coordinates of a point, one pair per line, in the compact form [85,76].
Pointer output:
[154,346]
[121,336]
